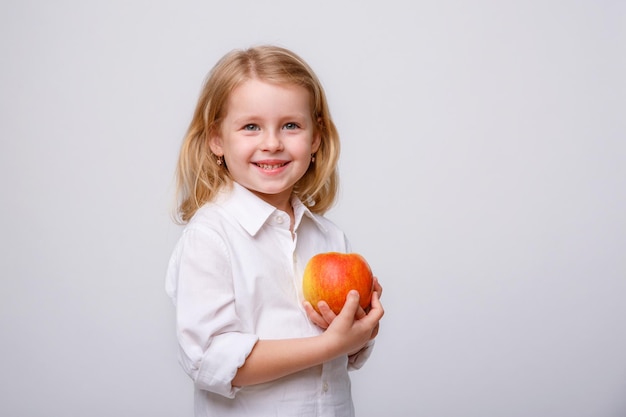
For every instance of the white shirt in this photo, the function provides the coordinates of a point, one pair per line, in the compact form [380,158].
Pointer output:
[235,277]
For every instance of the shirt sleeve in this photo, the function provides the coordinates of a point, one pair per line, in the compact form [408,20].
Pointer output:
[357,360]
[212,340]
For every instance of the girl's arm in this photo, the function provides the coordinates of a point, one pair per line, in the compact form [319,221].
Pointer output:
[348,332]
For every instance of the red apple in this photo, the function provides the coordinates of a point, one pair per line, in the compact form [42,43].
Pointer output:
[330,276]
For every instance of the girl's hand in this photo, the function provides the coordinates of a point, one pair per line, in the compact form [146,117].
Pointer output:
[326,316]
[352,328]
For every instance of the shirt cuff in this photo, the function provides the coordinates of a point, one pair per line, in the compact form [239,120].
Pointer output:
[357,360]
[225,354]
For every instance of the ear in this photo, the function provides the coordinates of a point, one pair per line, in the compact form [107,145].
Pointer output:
[317,136]
[215,144]
[317,141]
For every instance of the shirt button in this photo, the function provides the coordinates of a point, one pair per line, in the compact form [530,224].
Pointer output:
[325,386]
[279,219]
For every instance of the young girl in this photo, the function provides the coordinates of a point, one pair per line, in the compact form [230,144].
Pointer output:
[257,170]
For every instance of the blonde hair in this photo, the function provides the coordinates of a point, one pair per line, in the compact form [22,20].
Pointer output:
[199,177]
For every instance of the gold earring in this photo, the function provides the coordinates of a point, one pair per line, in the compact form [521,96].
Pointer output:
[312,158]
[220,160]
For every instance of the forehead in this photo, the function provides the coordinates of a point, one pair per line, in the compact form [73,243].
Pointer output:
[255,95]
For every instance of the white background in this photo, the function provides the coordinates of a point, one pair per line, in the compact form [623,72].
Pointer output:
[483,177]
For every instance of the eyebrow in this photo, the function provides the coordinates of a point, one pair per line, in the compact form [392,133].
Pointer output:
[251,117]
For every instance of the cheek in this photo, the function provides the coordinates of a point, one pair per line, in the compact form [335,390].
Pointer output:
[308,145]
[304,153]
[237,148]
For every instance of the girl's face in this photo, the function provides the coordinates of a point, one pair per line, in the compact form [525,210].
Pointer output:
[267,138]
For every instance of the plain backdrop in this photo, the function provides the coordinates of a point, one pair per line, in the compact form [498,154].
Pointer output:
[483,176]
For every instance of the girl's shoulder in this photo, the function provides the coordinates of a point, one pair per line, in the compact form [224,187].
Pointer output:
[324,222]
[207,228]
[328,227]
[210,215]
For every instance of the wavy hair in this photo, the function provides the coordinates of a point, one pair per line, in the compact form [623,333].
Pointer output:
[199,177]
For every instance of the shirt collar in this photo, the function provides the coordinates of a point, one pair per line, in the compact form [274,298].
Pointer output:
[301,210]
[252,213]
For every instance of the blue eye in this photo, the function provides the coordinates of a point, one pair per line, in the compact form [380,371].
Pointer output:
[251,126]
[291,126]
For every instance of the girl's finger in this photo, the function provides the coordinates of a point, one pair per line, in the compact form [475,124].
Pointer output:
[377,287]
[376,311]
[314,316]
[326,312]
[352,304]
[360,313]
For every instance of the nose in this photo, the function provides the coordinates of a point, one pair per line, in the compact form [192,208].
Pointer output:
[272,141]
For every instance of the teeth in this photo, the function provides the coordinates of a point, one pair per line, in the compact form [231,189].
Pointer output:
[268,166]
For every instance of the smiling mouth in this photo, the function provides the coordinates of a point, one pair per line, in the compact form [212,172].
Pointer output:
[269,167]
